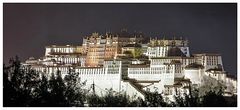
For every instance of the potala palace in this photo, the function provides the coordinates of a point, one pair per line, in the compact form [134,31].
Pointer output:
[131,63]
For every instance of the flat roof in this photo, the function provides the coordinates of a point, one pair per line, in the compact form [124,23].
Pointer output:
[60,46]
[80,67]
[172,57]
[207,54]
[60,53]
[138,66]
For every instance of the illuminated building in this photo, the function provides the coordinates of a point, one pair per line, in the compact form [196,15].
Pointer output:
[165,65]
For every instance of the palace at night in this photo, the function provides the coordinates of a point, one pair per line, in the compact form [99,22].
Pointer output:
[133,63]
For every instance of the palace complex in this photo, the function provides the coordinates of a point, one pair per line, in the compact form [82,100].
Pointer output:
[132,63]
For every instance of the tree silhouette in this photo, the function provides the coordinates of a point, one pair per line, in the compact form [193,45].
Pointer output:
[56,89]
[155,99]
[8,89]
[74,93]
[94,100]
[188,100]
[19,84]
[44,96]
[211,99]
[113,99]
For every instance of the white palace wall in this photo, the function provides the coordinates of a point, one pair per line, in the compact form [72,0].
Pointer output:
[103,78]
[195,75]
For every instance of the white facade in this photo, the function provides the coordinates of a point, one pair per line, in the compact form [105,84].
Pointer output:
[209,61]
[163,74]
[231,84]
[59,49]
[104,78]
[160,48]
[131,90]
[162,51]
[157,51]
[218,75]
[157,62]
[67,59]
[194,74]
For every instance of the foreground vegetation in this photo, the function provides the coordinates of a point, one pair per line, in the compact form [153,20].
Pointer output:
[23,87]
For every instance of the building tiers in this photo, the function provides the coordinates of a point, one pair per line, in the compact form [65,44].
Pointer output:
[163,64]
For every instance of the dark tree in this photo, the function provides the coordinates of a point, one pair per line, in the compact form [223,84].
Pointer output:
[212,99]
[57,89]
[116,100]
[94,100]
[188,100]
[8,89]
[113,99]
[139,102]
[74,93]
[19,84]
[154,99]
[44,96]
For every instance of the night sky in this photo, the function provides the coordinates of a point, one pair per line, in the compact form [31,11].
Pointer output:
[28,28]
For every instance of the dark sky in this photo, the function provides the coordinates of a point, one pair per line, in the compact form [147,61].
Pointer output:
[28,28]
